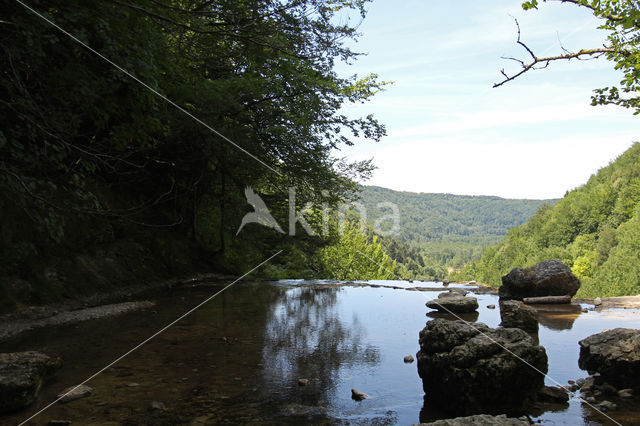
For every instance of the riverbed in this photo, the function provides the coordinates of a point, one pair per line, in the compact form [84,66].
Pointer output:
[240,357]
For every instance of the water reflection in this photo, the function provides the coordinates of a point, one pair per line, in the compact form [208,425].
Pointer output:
[306,337]
[558,317]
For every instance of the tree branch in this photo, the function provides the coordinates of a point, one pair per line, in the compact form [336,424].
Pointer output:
[540,63]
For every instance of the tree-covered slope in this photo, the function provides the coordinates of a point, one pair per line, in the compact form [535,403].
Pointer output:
[440,233]
[595,229]
[424,218]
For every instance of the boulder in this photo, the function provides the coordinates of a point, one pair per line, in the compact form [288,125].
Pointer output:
[21,377]
[480,420]
[548,278]
[409,359]
[453,292]
[471,369]
[515,314]
[553,394]
[615,354]
[454,304]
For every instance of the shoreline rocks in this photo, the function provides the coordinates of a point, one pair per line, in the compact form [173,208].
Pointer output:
[480,420]
[465,368]
[548,278]
[515,314]
[615,354]
[22,374]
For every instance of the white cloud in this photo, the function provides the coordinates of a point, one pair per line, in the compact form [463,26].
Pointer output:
[477,166]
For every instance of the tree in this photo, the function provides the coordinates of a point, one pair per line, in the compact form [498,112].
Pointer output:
[86,149]
[621,19]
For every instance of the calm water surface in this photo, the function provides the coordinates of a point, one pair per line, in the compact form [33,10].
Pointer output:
[238,359]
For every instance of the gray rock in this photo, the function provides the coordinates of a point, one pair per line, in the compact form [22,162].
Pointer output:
[625,393]
[615,354]
[75,392]
[515,314]
[548,278]
[358,395]
[491,306]
[303,382]
[480,420]
[158,406]
[606,406]
[21,377]
[454,304]
[409,359]
[465,368]
[453,292]
[607,389]
[597,301]
[588,384]
[553,394]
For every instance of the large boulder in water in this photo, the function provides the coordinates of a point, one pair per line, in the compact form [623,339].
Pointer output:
[548,278]
[21,376]
[471,368]
[515,314]
[454,304]
[615,354]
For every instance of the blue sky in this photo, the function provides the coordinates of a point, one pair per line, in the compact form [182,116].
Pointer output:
[450,131]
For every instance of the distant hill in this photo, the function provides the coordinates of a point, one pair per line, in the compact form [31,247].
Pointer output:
[595,229]
[426,218]
[440,233]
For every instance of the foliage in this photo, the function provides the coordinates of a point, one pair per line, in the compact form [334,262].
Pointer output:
[621,20]
[440,233]
[87,154]
[594,229]
[356,255]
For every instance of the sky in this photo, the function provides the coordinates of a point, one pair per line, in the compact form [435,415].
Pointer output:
[449,131]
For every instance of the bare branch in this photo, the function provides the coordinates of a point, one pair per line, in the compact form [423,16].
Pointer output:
[540,63]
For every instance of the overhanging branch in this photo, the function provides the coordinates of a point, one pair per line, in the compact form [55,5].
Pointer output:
[539,63]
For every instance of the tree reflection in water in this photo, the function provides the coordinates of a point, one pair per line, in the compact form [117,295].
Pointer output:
[306,336]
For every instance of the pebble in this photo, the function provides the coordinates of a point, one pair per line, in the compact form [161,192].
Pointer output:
[606,406]
[157,405]
[491,306]
[625,393]
[303,382]
[75,392]
[358,395]
[408,359]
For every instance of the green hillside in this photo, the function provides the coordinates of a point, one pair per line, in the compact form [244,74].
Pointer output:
[451,218]
[443,232]
[595,229]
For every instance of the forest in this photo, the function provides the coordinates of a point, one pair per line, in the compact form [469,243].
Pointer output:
[131,130]
[440,233]
[595,229]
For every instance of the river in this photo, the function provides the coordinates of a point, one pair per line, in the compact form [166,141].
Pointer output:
[238,359]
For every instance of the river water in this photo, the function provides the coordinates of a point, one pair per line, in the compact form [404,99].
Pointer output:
[238,359]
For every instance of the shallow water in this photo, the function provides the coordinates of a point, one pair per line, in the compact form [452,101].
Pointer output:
[239,357]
